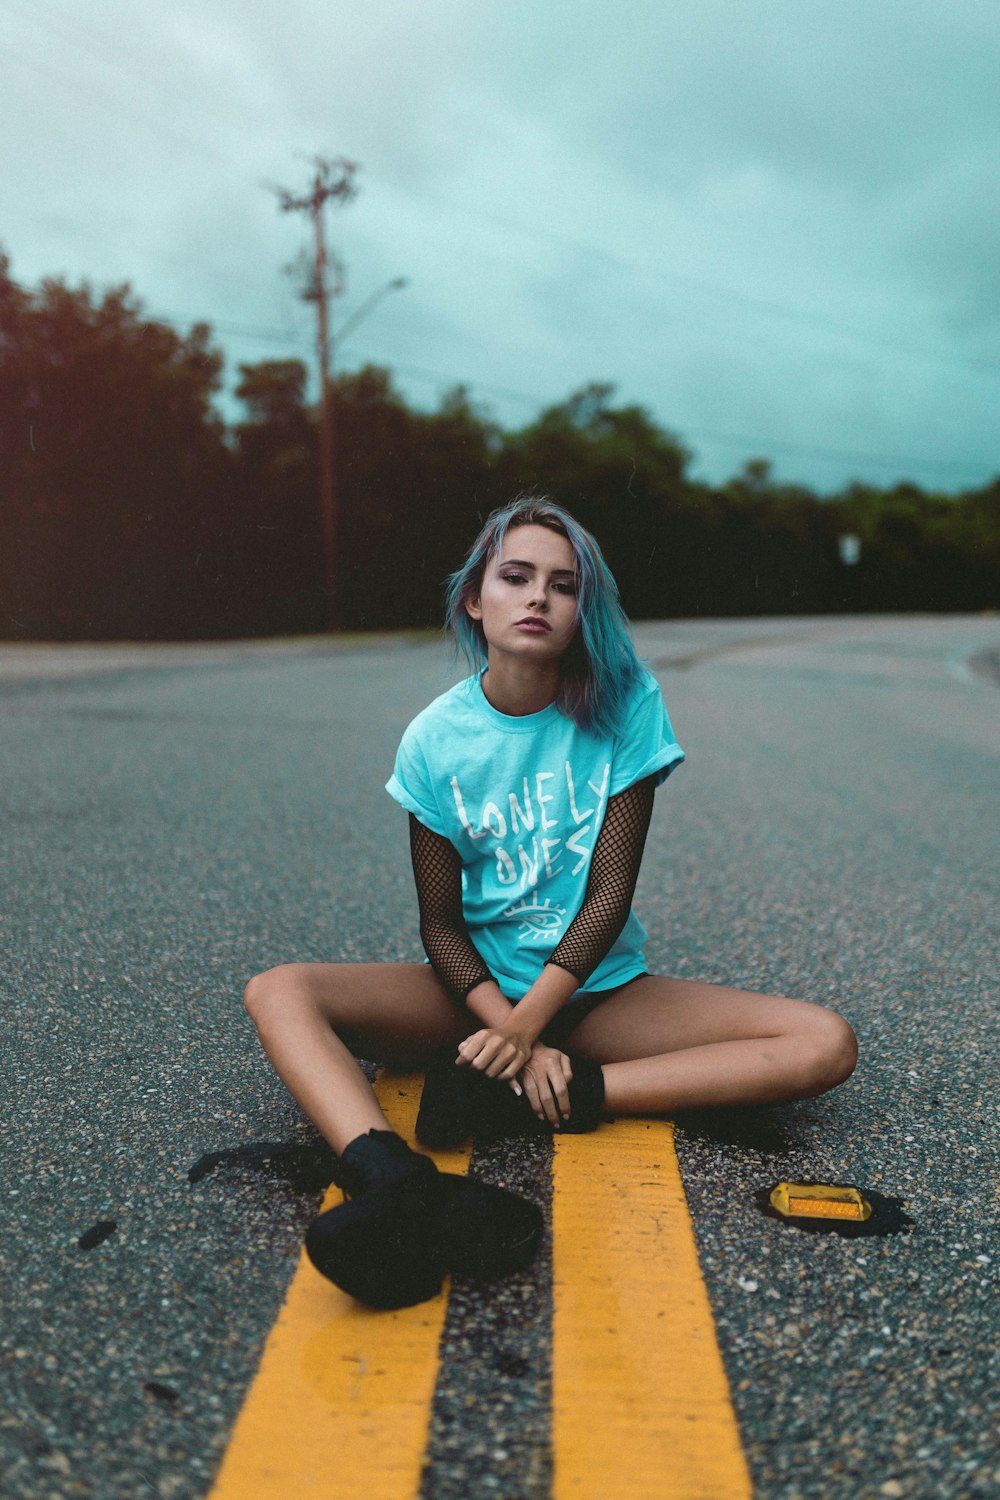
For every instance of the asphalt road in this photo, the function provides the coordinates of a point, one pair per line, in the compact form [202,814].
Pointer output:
[175,819]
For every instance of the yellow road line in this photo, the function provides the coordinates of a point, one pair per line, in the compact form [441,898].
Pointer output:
[640,1399]
[341,1401]
[641,1404]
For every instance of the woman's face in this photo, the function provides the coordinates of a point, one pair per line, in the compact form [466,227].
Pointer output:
[527,599]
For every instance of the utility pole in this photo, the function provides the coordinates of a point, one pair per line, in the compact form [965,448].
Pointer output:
[334,179]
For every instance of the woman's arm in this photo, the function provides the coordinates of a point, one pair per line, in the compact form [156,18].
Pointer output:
[437,873]
[614,870]
[511,1032]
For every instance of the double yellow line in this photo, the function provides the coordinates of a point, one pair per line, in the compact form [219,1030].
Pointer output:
[341,1402]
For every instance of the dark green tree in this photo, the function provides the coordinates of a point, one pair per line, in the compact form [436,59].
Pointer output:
[412,489]
[127,510]
[622,475]
[112,461]
[777,546]
[277,549]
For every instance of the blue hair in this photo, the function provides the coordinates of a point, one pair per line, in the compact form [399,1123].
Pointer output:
[600,668]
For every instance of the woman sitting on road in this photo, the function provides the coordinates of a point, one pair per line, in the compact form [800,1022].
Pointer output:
[529,788]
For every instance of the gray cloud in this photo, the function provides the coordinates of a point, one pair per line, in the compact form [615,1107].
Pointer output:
[773,225]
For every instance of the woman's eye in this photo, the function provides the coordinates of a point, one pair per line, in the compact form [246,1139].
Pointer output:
[558,587]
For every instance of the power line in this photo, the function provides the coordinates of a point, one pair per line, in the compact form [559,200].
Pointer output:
[68,77]
[766,305]
[803,450]
[742,441]
[106,50]
[748,444]
[443,379]
[261,335]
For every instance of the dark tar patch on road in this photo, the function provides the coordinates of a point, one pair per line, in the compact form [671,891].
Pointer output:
[97,1234]
[307,1167]
[161,1392]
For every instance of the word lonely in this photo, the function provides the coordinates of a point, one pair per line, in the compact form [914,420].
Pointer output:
[536,827]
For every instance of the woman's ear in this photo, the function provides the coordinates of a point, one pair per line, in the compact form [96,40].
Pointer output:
[473,608]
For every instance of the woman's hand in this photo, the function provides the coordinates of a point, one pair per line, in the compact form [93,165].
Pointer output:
[496,1052]
[546,1078]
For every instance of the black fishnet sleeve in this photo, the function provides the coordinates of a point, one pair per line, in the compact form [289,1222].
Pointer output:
[437,870]
[614,870]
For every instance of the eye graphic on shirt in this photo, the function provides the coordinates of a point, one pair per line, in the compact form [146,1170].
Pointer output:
[537,919]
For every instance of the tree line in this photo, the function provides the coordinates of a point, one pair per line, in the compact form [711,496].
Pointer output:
[130,509]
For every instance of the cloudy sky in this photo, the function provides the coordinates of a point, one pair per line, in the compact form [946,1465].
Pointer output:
[774,223]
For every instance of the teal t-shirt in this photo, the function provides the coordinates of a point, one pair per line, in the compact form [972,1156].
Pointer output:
[523,800]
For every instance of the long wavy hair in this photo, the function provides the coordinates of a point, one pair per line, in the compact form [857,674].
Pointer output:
[600,667]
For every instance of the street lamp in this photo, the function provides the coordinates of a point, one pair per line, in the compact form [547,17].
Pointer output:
[366,307]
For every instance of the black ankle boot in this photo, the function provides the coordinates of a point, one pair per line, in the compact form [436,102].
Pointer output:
[377,1159]
[448,1102]
[586,1095]
[504,1113]
[459,1102]
[406,1224]
[377,1246]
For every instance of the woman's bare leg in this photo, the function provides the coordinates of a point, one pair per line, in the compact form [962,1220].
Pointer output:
[669,1044]
[404,1225]
[307,1014]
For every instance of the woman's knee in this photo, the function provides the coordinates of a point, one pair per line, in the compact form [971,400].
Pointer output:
[828,1051]
[272,990]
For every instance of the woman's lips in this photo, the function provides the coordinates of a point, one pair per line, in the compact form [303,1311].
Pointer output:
[533,627]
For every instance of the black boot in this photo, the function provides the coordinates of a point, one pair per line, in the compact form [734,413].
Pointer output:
[453,1102]
[406,1224]
[586,1095]
[459,1102]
